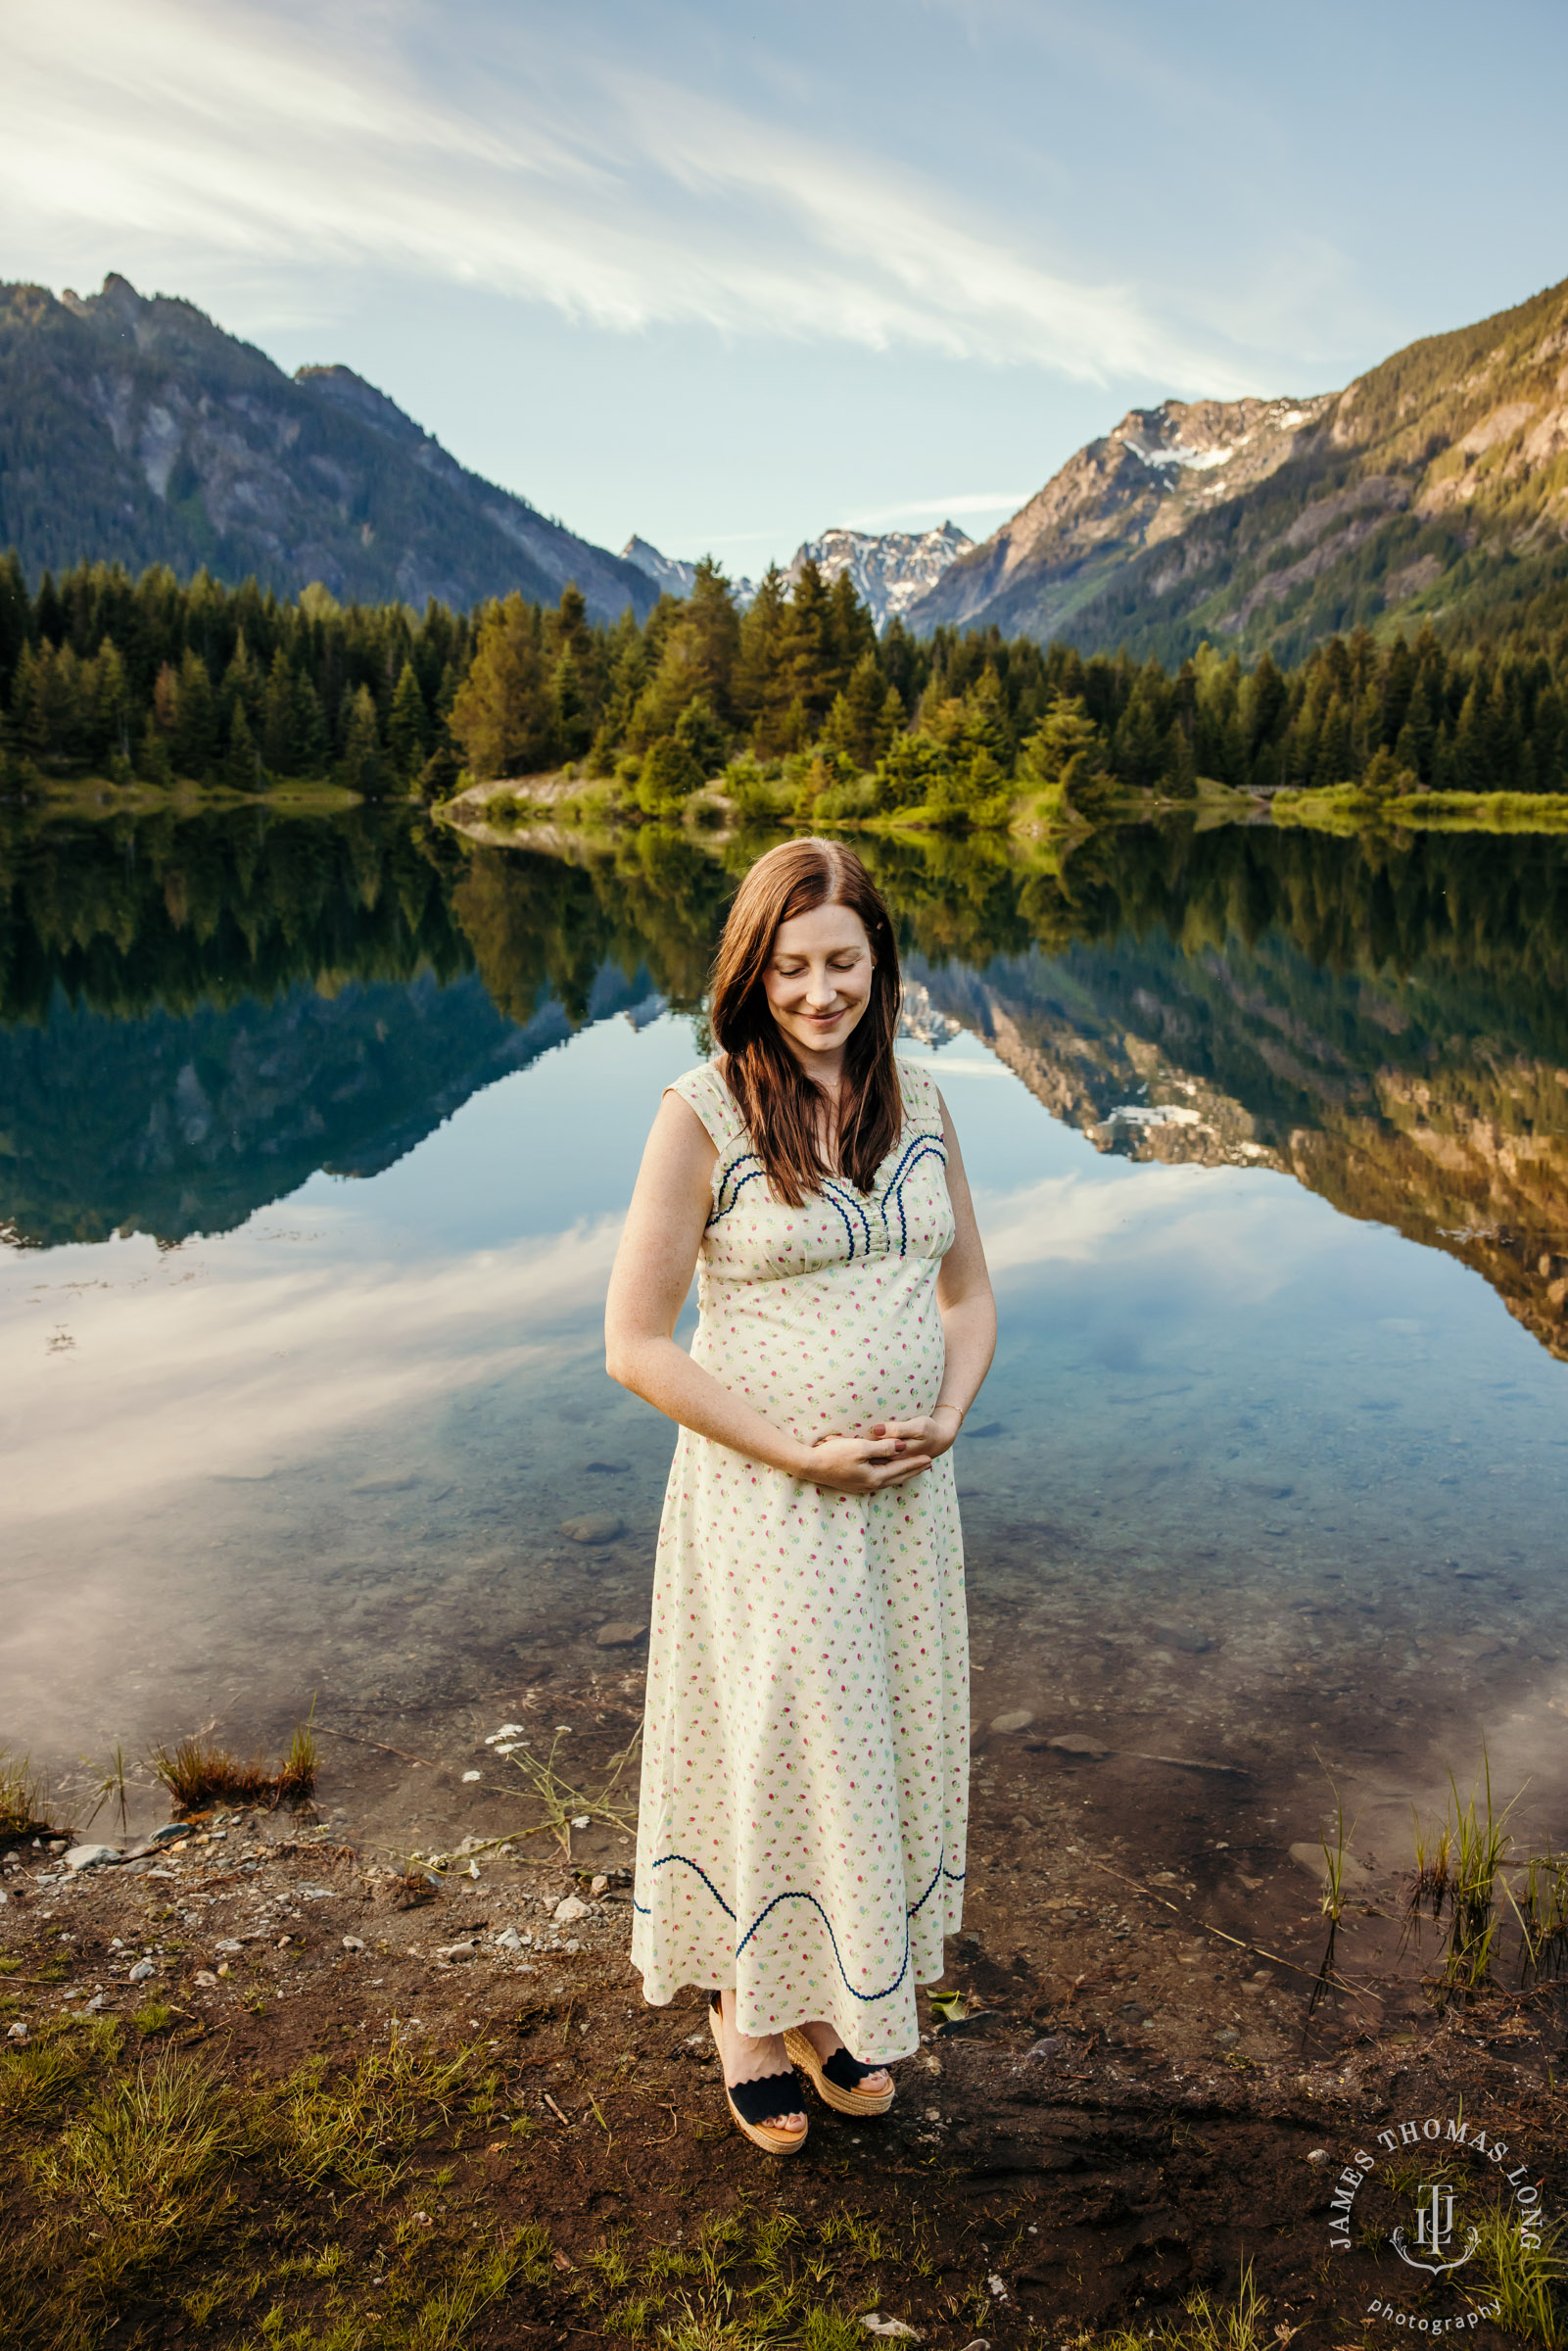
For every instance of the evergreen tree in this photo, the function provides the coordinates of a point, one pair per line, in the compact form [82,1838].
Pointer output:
[112,707]
[442,772]
[710,633]
[501,715]
[29,703]
[669,773]
[1179,769]
[242,761]
[195,745]
[810,656]
[571,724]
[16,613]
[153,762]
[1063,759]
[1334,763]
[278,717]
[360,762]
[408,726]
[762,687]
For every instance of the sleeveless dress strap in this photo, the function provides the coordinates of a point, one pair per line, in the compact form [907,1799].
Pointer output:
[922,1103]
[703,1091]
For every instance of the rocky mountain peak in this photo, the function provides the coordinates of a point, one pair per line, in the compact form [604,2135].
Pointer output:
[891,570]
[1430,484]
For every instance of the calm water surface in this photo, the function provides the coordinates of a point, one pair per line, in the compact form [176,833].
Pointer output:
[315,1140]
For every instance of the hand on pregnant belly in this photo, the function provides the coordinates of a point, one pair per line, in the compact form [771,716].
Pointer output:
[864,1465]
[929,1433]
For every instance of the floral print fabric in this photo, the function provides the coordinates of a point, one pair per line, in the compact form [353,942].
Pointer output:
[805,1761]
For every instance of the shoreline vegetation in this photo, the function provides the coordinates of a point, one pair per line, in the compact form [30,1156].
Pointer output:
[131,694]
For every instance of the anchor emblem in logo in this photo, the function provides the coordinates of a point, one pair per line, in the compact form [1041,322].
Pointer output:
[1434,2232]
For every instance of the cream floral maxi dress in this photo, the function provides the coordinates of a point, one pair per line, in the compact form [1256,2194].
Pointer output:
[806,1760]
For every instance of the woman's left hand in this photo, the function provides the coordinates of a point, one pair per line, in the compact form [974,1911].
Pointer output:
[933,1433]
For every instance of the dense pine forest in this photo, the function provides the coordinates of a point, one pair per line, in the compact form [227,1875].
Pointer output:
[794,708]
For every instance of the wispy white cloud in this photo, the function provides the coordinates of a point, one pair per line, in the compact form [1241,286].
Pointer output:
[234,1357]
[274,142]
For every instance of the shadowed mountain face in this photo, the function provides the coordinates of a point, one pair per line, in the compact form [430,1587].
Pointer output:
[1433,487]
[138,432]
[197,1014]
[1358,1089]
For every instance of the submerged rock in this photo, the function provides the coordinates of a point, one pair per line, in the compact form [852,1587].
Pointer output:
[593,1526]
[620,1636]
[1313,1859]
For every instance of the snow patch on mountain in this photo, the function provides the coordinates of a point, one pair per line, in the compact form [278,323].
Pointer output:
[891,569]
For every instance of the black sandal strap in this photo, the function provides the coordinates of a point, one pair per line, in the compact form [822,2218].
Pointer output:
[765,2100]
[845,2071]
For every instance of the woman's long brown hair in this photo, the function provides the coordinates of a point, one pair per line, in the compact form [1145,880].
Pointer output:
[781,1105]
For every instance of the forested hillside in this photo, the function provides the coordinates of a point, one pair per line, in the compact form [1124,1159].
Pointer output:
[1433,489]
[794,706]
[137,431]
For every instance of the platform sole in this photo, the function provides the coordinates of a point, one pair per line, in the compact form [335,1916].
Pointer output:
[802,2052]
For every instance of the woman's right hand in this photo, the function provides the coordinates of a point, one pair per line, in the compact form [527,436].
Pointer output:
[860,1464]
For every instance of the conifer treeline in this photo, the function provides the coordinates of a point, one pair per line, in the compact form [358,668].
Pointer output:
[149,680]
[796,701]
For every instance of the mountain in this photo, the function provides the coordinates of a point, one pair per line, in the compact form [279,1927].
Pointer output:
[1434,488]
[1147,481]
[138,431]
[669,573]
[672,575]
[891,570]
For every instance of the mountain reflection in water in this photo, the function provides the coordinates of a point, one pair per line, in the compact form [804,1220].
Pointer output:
[200,1011]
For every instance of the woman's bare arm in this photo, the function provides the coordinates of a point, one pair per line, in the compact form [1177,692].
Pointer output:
[968,1309]
[653,1269]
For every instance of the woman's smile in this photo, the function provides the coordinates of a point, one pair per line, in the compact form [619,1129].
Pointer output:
[819,977]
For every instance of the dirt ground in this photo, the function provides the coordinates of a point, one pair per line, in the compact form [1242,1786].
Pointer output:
[1132,2107]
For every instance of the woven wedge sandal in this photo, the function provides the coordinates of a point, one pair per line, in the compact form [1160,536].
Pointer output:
[836,2079]
[756,2105]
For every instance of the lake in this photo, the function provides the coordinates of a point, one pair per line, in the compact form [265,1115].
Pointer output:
[316,1133]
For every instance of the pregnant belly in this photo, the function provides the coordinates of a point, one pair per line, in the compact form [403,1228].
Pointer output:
[828,1364]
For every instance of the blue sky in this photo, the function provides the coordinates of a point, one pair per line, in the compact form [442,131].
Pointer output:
[726,274]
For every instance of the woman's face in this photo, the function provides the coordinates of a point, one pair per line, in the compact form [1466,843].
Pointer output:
[819,978]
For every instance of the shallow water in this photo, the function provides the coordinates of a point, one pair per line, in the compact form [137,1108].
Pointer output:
[316,1137]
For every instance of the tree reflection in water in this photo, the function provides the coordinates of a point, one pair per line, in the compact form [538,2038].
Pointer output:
[199,1009]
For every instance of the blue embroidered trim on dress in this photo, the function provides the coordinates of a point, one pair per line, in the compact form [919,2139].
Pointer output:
[923,1146]
[723,1206]
[839,1195]
[954,1876]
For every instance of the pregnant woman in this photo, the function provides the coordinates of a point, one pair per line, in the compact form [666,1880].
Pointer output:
[800,1851]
